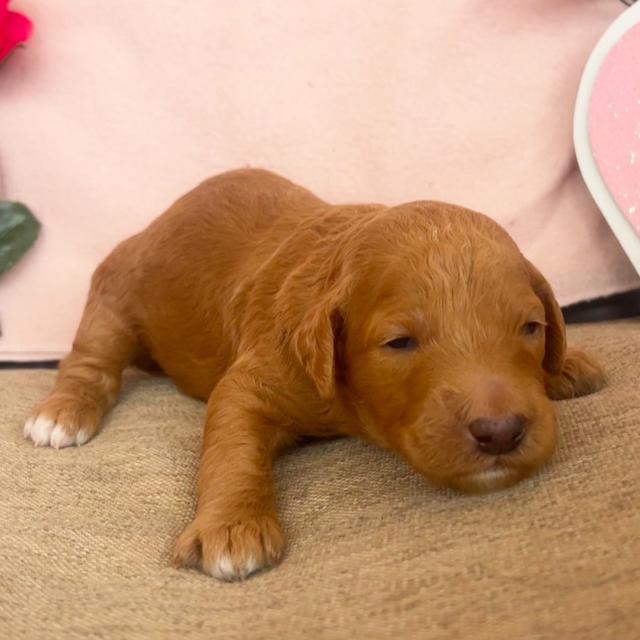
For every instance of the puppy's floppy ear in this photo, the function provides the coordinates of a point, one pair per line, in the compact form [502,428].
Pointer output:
[555,335]
[315,343]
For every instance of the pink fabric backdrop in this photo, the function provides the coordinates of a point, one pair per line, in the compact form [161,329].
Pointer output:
[116,108]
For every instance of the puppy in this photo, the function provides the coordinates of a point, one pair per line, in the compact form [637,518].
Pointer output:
[420,327]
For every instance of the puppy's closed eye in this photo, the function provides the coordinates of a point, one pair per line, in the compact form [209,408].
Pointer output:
[402,343]
[532,328]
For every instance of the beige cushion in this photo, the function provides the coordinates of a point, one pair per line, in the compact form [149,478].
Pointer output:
[374,552]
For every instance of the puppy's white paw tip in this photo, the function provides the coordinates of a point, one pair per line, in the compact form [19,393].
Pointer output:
[60,438]
[223,568]
[250,566]
[40,431]
[26,431]
[45,432]
[82,436]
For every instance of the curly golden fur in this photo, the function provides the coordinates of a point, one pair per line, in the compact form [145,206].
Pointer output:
[420,328]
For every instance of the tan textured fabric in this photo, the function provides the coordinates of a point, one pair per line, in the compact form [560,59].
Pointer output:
[86,534]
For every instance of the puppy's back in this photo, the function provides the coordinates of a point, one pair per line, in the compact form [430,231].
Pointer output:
[173,281]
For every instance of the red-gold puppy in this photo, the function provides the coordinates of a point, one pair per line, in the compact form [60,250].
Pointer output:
[420,327]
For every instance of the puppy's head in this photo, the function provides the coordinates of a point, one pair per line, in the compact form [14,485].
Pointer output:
[437,337]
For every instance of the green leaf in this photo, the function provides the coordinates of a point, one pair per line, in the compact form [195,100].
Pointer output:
[18,231]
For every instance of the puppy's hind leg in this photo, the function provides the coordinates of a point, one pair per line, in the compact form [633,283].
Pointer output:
[88,379]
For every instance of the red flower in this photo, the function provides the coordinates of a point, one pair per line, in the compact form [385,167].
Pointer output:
[14,29]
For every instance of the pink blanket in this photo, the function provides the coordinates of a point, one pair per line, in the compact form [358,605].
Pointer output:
[116,108]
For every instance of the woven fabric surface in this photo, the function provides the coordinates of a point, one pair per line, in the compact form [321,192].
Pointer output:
[86,534]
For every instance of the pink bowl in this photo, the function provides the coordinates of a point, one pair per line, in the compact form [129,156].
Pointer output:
[607,129]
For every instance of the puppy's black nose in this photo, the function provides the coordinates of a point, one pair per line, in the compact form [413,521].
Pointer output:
[498,435]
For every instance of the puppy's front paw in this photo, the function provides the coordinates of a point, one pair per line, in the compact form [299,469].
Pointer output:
[580,376]
[61,422]
[230,549]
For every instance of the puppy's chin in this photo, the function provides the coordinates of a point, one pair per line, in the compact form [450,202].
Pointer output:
[492,479]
